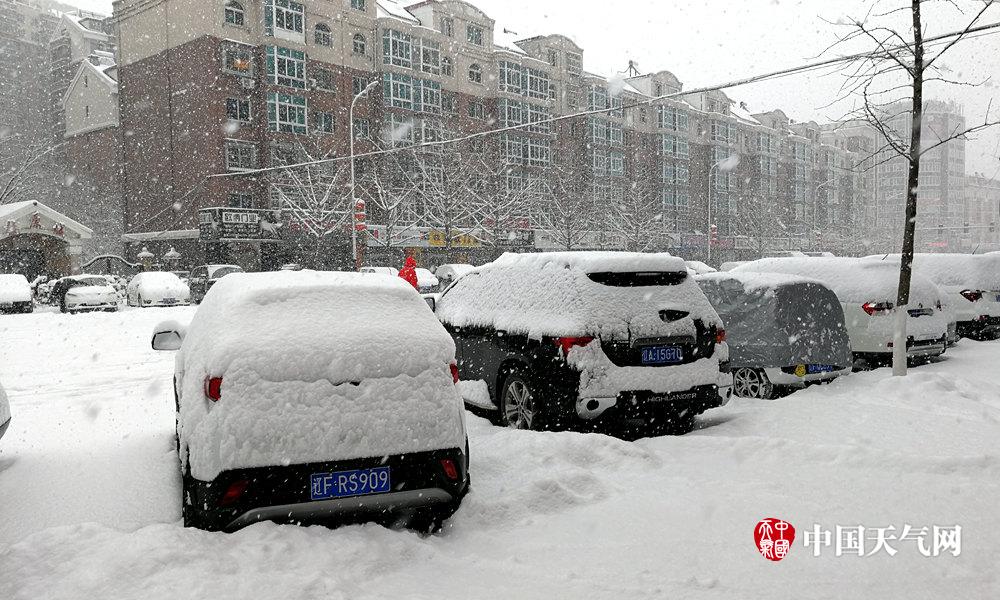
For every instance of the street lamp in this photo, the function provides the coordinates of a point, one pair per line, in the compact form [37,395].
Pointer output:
[354,200]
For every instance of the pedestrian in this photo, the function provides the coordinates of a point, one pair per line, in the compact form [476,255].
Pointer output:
[409,272]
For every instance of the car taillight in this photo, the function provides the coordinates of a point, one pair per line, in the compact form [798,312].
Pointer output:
[566,343]
[213,388]
[876,307]
[720,336]
[449,468]
[972,295]
[234,492]
[454,372]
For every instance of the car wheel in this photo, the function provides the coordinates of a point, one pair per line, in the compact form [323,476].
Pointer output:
[519,404]
[752,383]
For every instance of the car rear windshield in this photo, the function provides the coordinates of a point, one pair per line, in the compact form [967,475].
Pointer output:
[639,279]
[225,271]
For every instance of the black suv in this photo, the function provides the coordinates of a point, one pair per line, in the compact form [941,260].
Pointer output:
[559,340]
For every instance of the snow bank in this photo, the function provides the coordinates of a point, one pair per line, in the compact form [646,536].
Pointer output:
[14,288]
[315,366]
[550,294]
[4,406]
[853,280]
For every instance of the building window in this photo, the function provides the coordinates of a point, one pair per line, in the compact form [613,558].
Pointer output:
[511,112]
[553,91]
[477,110]
[538,152]
[673,119]
[234,14]
[426,56]
[554,57]
[358,4]
[512,148]
[324,80]
[322,35]
[448,104]
[286,113]
[286,67]
[399,129]
[362,129]
[616,163]
[447,69]
[241,200]
[360,45]
[398,90]
[240,156]
[237,59]
[396,48]
[284,19]
[574,63]
[426,96]
[358,84]
[448,26]
[238,110]
[597,98]
[474,34]
[322,122]
[475,73]
[600,163]
[538,116]
[675,146]
[538,84]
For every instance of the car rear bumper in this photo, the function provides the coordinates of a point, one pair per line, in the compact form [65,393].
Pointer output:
[778,377]
[637,404]
[283,493]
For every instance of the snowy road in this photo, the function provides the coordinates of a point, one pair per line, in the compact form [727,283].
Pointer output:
[89,493]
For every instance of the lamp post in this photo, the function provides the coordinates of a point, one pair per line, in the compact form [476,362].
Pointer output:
[354,200]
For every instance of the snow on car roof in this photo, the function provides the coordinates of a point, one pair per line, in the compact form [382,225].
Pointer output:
[310,324]
[852,279]
[978,271]
[756,281]
[12,279]
[595,262]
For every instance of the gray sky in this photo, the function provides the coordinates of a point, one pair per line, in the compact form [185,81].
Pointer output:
[713,41]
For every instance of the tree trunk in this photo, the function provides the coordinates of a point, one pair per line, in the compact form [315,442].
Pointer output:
[912,181]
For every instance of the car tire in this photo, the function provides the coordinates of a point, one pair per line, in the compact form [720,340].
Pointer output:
[752,383]
[519,404]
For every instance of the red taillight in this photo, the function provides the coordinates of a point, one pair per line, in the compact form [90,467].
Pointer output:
[972,295]
[876,307]
[213,388]
[449,468]
[234,492]
[454,372]
[720,336]
[566,343]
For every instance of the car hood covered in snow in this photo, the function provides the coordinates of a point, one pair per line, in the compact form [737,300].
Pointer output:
[88,292]
[14,288]
[553,294]
[159,286]
[315,367]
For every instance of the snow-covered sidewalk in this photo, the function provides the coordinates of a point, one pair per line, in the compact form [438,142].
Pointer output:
[89,493]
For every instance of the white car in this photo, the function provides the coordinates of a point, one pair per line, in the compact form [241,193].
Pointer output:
[4,412]
[696,267]
[971,283]
[427,283]
[450,272]
[867,294]
[381,270]
[157,288]
[81,293]
[307,396]
[15,294]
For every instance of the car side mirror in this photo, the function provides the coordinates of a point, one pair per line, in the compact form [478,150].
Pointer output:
[168,336]
[431,302]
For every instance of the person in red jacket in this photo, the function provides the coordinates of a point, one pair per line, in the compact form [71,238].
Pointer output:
[409,272]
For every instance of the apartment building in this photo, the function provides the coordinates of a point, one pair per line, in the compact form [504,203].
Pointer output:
[981,214]
[229,87]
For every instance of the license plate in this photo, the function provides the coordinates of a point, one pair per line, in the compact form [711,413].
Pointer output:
[344,484]
[818,369]
[662,355]
[169,300]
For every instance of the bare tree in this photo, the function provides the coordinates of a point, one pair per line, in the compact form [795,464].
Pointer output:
[24,167]
[505,197]
[392,197]
[566,210]
[446,194]
[634,215]
[887,79]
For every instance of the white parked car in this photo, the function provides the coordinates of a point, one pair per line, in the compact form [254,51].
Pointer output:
[450,272]
[427,283]
[971,283]
[867,294]
[157,288]
[81,293]
[4,412]
[15,294]
[381,270]
[307,396]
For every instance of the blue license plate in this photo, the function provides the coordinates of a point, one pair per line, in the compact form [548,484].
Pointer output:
[344,484]
[818,369]
[662,355]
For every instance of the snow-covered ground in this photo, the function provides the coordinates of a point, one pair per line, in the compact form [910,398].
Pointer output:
[89,490]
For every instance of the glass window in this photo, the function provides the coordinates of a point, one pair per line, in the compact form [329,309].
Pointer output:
[240,156]
[477,110]
[616,163]
[475,73]
[447,69]
[538,151]
[325,79]
[238,110]
[399,128]
[398,90]
[474,34]
[426,96]
[237,59]
[396,48]
[358,4]
[538,84]
[553,57]
[426,56]
[359,44]
[284,19]
[234,14]
[448,26]
[240,200]
[322,36]
[574,63]
[323,122]
[286,113]
[286,67]
[362,128]
[511,76]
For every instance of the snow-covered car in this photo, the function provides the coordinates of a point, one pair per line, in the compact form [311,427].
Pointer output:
[157,288]
[15,294]
[971,283]
[448,273]
[867,294]
[730,265]
[81,293]
[4,412]
[394,272]
[427,283]
[204,277]
[783,331]
[696,267]
[308,396]
[586,339]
